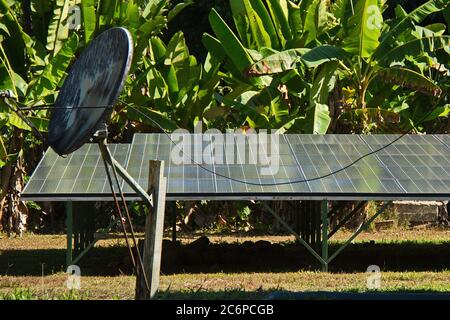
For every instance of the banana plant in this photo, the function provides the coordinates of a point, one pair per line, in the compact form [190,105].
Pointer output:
[175,90]
[367,50]
[265,27]
[35,54]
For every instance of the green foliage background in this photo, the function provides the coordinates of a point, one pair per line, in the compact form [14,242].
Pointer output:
[292,66]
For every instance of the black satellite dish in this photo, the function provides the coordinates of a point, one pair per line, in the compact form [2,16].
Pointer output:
[94,83]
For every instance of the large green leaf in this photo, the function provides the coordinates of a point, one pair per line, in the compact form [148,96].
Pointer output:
[177,51]
[447,14]
[289,59]
[106,10]
[414,48]
[188,76]
[318,114]
[411,80]
[323,16]
[54,72]
[438,112]
[277,63]
[388,41]
[234,49]
[58,30]
[40,11]
[157,88]
[41,124]
[217,50]
[279,11]
[241,103]
[150,117]
[132,15]
[249,25]
[157,50]
[364,29]
[214,46]
[241,21]
[341,10]
[10,80]
[15,45]
[3,152]
[322,54]
[310,18]
[178,8]
[89,18]
[295,22]
[267,22]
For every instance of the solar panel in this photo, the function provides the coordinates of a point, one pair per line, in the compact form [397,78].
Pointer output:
[418,162]
[415,167]
[79,176]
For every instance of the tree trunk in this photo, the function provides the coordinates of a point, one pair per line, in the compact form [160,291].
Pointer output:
[13,212]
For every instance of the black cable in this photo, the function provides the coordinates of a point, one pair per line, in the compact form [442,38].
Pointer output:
[52,107]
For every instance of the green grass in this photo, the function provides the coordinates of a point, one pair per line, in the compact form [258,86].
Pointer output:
[20,269]
[223,286]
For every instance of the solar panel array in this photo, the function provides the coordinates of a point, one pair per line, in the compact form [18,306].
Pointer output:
[415,167]
[79,176]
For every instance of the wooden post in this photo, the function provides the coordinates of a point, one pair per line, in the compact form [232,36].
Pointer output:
[154,227]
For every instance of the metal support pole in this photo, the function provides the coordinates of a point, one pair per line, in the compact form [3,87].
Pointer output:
[174,221]
[363,227]
[92,243]
[123,173]
[284,224]
[69,225]
[324,213]
[347,218]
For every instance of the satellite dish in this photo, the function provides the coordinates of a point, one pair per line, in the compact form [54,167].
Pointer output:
[94,83]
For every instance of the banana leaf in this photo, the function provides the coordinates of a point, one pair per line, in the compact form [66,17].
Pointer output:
[410,79]
[152,117]
[279,11]
[231,44]
[364,29]
[277,63]
[414,48]
[55,71]
[249,25]
[388,40]
[58,31]
[318,114]
[89,18]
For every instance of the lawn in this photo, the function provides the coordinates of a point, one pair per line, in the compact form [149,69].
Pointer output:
[418,263]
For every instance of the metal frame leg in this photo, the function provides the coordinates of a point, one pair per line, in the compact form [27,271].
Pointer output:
[174,221]
[361,229]
[303,242]
[324,259]
[347,218]
[92,243]
[324,213]
[69,225]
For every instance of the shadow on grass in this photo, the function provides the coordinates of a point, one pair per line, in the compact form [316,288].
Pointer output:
[260,256]
[402,294]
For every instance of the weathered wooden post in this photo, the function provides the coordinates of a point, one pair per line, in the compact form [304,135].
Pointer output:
[154,227]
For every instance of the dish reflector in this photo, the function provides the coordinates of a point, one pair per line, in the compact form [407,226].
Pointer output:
[93,83]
